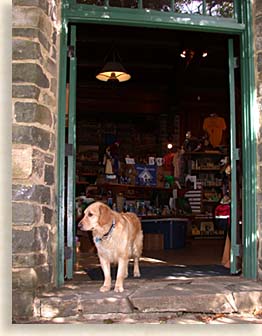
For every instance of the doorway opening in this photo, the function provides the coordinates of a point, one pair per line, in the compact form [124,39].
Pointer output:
[167,97]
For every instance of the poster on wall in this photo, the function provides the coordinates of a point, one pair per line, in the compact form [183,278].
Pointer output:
[146,175]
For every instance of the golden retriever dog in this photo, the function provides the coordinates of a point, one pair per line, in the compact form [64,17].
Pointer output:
[118,237]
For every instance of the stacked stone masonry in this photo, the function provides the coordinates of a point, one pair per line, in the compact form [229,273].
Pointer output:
[34,106]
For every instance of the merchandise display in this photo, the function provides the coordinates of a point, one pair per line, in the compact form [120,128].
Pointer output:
[184,181]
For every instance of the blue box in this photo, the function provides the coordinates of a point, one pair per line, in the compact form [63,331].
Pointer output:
[179,233]
[173,229]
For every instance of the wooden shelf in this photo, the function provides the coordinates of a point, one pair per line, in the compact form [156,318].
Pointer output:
[205,153]
[212,186]
[206,169]
[207,236]
[132,186]
[82,182]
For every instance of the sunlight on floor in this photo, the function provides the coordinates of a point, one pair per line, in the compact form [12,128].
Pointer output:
[151,260]
[175,277]
[59,320]
[80,272]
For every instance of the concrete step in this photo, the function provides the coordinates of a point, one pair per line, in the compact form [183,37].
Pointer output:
[211,295]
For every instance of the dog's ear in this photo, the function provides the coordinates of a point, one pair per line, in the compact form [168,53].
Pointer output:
[105,215]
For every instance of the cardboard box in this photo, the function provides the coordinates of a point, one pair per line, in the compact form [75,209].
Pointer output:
[153,241]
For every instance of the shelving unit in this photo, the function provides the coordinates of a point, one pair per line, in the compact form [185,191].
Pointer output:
[136,196]
[205,166]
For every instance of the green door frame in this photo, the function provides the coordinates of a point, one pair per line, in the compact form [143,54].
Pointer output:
[71,156]
[249,147]
[61,156]
[233,158]
[242,26]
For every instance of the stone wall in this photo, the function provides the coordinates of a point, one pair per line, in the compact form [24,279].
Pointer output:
[257,10]
[34,115]
[34,108]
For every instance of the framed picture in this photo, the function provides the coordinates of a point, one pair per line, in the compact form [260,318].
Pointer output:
[146,175]
[129,160]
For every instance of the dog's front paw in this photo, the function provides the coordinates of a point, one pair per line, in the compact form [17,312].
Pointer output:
[137,275]
[104,288]
[119,289]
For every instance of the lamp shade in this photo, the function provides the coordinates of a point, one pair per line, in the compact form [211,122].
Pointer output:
[113,71]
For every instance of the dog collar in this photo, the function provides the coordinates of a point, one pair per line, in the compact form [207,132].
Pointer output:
[105,236]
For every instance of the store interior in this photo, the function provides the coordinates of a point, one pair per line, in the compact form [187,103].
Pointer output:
[179,85]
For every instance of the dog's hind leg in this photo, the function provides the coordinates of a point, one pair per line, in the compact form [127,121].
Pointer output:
[126,273]
[136,267]
[137,251]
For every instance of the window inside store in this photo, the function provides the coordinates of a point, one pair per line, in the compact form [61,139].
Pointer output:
[215,8]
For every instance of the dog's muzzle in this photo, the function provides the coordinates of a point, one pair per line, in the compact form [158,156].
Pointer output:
[81,227]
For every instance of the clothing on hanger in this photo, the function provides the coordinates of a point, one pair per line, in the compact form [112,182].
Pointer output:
[214,126]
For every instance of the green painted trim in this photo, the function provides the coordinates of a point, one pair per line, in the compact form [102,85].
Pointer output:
[237,11]
[71,170]
[249,148]
[204,7]
[61,155]
[233,157]
[172,5]
[154,19]
[74,4]
[151,19]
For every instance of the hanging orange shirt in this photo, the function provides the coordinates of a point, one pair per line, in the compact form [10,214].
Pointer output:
[214,126]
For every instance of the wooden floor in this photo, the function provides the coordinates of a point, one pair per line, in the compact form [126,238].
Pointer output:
[196,252]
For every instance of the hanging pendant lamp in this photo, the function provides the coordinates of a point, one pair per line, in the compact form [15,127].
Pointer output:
[113,71]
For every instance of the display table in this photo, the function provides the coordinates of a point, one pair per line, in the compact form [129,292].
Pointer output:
[173,230]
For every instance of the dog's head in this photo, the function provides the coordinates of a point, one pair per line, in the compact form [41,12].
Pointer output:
[97,217]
